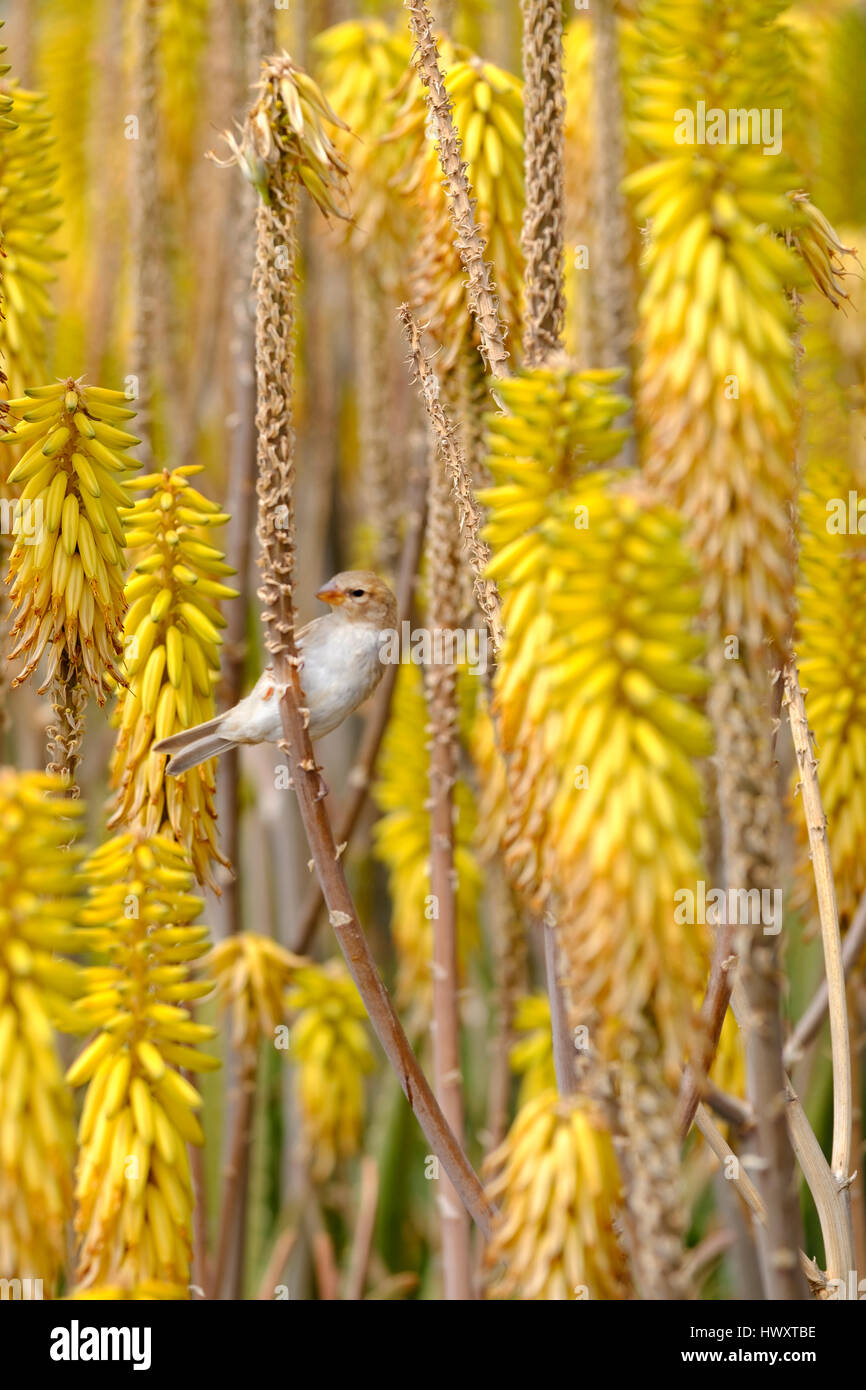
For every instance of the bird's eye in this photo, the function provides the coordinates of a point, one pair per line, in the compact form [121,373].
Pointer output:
[357,593]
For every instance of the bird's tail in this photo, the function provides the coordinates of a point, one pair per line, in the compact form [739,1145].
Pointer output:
[193,746]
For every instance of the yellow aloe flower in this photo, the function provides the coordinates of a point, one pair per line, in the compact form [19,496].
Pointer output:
[251,974]
[532,1055]
[29,221]
[363,66]
[39,907]
[133,1187]
[595,694]
[66,566]
[556,1184]
[329,1042]
[171,639]
[148,1290]
[716,380]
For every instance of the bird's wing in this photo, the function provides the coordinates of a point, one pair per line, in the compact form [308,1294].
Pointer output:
[302,635]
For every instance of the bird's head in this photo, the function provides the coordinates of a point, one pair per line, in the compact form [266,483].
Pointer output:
[361,597]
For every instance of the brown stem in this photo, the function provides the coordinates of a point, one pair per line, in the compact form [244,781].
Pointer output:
[229,1267]
[813,1015]
[749,804]
[510,956]
[543,232]
[612,276]
[480,290]
[364,1229]
[283,1247]
[470,516]
[441,683]
[563,1042]
[816,825]
[202,1270]
[713,1010]
[64,735]
[360,776]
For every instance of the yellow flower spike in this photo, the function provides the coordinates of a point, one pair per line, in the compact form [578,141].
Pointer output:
[73,600]
[716,385]
[27,177]
[170,625]
[363,66]
[39,907]
[330,1045]
[252,973]
[402,844]
[134,1211]
[555,1181]
[602,820]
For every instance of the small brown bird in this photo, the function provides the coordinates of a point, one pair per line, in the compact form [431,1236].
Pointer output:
[341,666]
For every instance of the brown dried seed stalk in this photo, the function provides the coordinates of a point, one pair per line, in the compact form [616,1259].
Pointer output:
[64,735]
[470,516]
[542,237]
[613,286]
[480,291]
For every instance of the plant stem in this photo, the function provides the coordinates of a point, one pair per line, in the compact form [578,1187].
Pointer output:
[813,1015]
[441,686]
[816,825]
[228,1270]
[543,229]
[480,290]
[470,516]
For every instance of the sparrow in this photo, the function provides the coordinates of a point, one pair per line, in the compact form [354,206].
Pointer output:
[341,665]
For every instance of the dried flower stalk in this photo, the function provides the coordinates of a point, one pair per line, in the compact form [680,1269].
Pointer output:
[69,700]
[470,517]
[544,214]
[480,290]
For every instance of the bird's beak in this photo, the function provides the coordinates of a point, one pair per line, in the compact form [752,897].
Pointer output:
[333,596]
